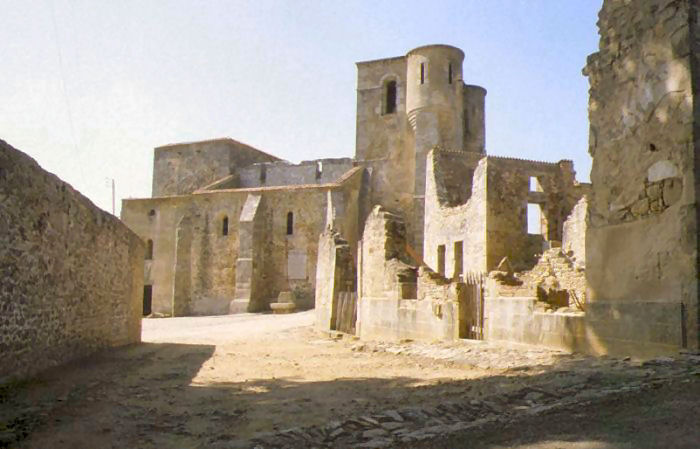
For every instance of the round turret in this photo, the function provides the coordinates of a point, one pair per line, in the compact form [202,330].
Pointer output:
[434,85]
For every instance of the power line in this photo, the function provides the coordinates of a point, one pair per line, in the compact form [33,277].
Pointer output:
[63,89]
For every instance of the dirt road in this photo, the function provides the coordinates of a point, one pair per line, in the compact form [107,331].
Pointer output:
[218,382]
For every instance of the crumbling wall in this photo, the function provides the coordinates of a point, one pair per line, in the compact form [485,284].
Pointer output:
[509,193]
[395,302]
[455,210]
[574,233]
[71,275]
[641,246]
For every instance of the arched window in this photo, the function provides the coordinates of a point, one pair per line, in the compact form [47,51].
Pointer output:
[390,97]
[149,249]
[290,223]
[224,226]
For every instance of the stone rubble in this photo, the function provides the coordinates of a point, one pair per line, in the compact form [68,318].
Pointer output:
[578,381]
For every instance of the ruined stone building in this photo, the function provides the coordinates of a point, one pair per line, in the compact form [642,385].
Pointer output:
[423,235]
[229,227]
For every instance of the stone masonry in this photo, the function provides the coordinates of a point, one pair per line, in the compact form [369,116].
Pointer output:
[642,243]
[71,275]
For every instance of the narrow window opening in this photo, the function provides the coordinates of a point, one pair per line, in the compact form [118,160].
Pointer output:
[441,259]
[319,170]
[290,223]
[422,72]
[390,97]
[152,213]
[224,226]
[263,174]
[534,219]
[149,249]
[535,184]
[147,299]
[449,73]
[458,253]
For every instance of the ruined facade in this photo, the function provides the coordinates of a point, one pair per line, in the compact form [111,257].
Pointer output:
[70,274]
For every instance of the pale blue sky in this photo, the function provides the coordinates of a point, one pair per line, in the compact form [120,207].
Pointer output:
[88,88]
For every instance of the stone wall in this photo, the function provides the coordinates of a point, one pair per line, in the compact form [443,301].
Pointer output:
[71,275]
[193,268]
[185,167]
[283,173]
[642,245]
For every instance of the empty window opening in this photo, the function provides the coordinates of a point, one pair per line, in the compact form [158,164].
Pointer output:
[535,184]
[390,97]
[147,299]
[290,223]
[458,253]
[149,249]
[534,218]
[263,174]
[319,170]
[152,213]
[441,259]
[224,226]
[449,73]
[422,72]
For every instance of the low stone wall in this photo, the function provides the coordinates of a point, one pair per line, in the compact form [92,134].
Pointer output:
[396,319]
[516,320]
[71,275]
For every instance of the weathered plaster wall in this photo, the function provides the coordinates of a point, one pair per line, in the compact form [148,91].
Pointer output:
[185,167]
[71,275]
[455,210]
[641,246]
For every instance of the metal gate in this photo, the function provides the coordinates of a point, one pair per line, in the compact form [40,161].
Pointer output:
[471,307]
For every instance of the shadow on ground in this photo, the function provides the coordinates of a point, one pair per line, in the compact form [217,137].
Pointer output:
[149,396]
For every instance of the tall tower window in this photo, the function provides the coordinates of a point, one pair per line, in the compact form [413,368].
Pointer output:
[449,73]
[422,73]
[224,226]
[390,97]
[149,249]
[290,223]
